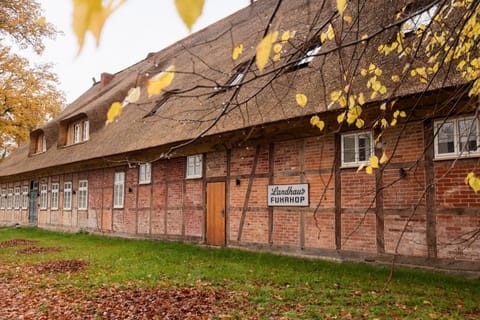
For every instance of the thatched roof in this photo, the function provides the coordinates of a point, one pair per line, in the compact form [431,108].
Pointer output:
[204,64]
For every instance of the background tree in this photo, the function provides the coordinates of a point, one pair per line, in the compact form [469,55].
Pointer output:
[28,93]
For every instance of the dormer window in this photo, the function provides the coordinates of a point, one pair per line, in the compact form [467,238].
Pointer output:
[419,21]
[38,142]
[86,130]
[237,78]
[309,55]
[78,131]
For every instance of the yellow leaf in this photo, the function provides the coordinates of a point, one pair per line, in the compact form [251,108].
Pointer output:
[341,117]
[361,167]
[158,82]
[277,48]
[403,114]
[384,158]
[341,5]
[330,32]
[359,123]
[364,72]
[90,15]
[383,106]
[189,11]
[335,95]
[114,111]
[133,95]
[342,101]
[301,99]
[285,36]
[347,19]
[374,162]
[396,113]
[264,48]
[276,57]
[394,122]
[361,99]
[323,37]
[369,170]
[237,51]
[314,120]
[42,21]
[320,125]
[395,78]
[473,181]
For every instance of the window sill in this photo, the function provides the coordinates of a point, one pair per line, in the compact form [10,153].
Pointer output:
[144,182]
[193,177]
[456,156]
[354,165]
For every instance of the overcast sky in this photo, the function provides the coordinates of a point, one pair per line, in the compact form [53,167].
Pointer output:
[134,30]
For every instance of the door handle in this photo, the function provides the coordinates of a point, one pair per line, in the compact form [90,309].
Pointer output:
[222,213]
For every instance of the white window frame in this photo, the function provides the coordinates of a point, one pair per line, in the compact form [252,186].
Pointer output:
[424,18]
[457,149]
[82,194]
[309,55]
[194,166]
[9,198]
[357,161]
[44,143]
[3,200]
[54,196]
[24,197]
[86,130]
[43,196]
[67,195]
[16,198]
[145,173]
[77,133]
[119,190]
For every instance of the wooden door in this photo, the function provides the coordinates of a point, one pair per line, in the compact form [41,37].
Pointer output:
[216,213]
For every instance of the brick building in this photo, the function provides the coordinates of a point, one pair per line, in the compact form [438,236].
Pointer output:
[207,163]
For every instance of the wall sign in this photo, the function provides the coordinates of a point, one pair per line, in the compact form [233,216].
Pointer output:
[288,195]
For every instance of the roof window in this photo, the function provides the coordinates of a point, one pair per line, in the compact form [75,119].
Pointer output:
[420,20]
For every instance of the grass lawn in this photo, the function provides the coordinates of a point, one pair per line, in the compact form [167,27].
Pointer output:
[68,276]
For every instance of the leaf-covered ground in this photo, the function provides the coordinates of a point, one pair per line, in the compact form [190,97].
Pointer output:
[45,275]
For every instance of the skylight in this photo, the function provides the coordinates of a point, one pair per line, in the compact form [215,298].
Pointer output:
[420,20]
[309,55]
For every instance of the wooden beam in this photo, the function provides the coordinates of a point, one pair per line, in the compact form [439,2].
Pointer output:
[271,164]
[247,195]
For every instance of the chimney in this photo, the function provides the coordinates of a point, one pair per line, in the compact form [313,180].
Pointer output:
[106,78]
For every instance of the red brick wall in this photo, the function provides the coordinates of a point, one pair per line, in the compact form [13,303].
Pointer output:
[458,236]
[359,232]
[414,237]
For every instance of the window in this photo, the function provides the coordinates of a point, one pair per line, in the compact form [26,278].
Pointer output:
[76,133]
[309,55]
[83,194]
[24,197]
[86,130]
[194,166]
[145,173]
[421,20]
[44,144]
[9,198]
[119,190]
[357,148]
[54,196]
[456,137]
[3,200]
[67,195]
[43,196]
[16,198]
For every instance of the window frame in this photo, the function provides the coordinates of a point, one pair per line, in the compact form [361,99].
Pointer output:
[197,166]
[425,17]
[9,198]
[82,201]
[437,124]
[77,133]
[3,200]
[25,197]
[119,190]
[44,143]
[145,173]
[86,130]
[43,196]
[356,162]
[54,199]
[69,192]
[16,198]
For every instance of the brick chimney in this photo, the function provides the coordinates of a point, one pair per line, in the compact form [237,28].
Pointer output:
[106,78]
